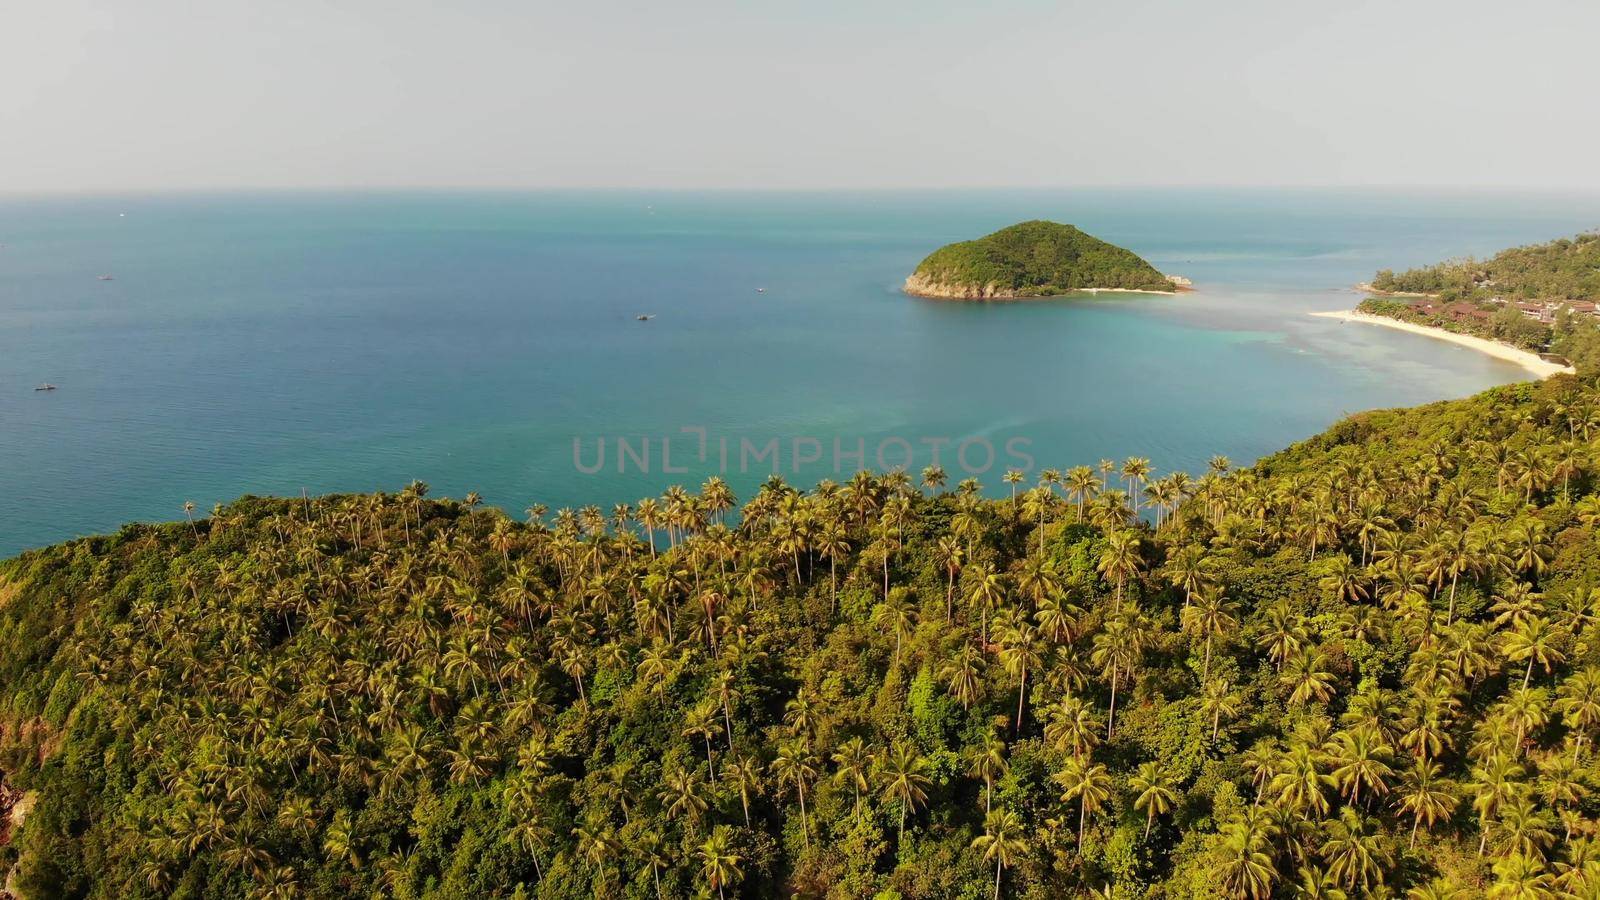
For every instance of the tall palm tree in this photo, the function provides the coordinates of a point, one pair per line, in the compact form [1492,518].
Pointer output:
[1536,641]
[1579,704]
[1156,794]
[743,774]
[853,762]
[1426,797]
[1354,852]
[719,865]
[1219,702]
[1211,616]
[905,780]
[795,765]
[987,761]
[1002,841]
[1089,784]
[897,616]
[1121,560]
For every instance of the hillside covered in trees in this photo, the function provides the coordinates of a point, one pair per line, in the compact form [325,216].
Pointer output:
[1563,269]
[1481,297]
[1365,667]
[1032,259]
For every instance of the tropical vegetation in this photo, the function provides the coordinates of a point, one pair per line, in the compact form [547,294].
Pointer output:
[1032,259]
[1366,666]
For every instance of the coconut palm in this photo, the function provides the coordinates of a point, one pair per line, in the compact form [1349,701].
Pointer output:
[1156,793]
[719,865]
[1089,784]
[1002,841]
[903,773]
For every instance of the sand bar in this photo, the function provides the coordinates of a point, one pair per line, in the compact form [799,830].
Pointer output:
[1524,358]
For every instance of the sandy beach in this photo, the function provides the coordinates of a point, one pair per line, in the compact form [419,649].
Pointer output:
[1524,358]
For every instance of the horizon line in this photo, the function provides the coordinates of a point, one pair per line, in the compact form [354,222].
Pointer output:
[6,193]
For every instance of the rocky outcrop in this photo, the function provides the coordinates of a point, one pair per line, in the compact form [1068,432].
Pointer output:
[921,285]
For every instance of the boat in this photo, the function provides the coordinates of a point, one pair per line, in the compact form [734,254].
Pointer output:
[106,278]
[644,318]
[47,386]
[761,290]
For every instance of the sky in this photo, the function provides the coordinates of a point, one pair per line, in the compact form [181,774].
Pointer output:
[142,95]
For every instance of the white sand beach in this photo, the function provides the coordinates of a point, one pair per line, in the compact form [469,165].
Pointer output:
[1524,358]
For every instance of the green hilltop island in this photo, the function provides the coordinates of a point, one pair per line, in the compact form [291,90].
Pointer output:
[1035,259]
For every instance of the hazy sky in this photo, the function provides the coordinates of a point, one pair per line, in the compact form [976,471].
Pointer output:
[155,94]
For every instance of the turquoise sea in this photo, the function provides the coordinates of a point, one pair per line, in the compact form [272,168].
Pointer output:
[255,343]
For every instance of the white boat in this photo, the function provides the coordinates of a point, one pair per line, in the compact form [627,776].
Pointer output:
[105,278]
[47,386]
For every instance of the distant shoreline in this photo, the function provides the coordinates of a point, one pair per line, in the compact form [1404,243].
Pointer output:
[1367,288]
[1524,358]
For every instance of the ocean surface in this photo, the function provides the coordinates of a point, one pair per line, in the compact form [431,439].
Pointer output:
[256,343]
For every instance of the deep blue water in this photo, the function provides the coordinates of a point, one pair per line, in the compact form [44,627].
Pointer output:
[348,342]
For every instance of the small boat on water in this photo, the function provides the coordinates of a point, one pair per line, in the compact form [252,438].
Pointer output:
[645,318]
[106,278]
[47,386]
[761,290]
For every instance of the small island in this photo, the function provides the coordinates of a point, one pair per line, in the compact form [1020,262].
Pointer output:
[1035,259]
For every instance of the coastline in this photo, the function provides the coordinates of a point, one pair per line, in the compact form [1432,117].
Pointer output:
[1025,297]
[1524,358]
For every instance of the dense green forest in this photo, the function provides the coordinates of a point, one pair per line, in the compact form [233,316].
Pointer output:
[1032,259]
[1564,269]
[1364,667]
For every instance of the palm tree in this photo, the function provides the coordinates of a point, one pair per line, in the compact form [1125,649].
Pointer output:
[1156,795]
[905,780]
[1579,704]
[1425,797]
[1360,759]
[1534,640]
[1299,781]
[1519,877]
[1308,679]
[896,615]
[988,762]
[933,478]
[598,845]
[1354,852]
[1210,616]
[1136,471]
[719,865]
[1190,570]
[964,675]
[1002,841]
[1071,726]
[1020,654]
[1012,477]
[987,593]
[653,857]
[683,796]
[854,764]
[1081,485]
[701,722]
[1089,784]
[743,774]
[1121,559]
[950,556]
[1246,869]
[1219,702]
[795,765]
